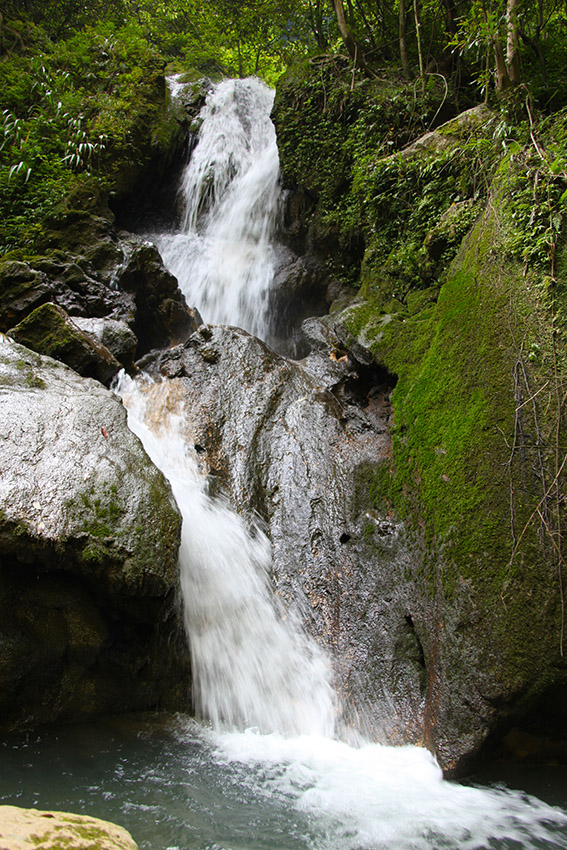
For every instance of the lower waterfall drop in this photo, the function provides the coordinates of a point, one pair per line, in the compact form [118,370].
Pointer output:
[250,667]
[264,688]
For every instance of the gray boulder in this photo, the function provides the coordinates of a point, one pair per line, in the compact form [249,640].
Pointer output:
[300,445]
[89,534]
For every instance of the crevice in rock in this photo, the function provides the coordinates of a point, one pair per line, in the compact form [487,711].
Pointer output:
[536,736]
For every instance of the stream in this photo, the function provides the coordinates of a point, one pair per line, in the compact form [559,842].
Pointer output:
[263,765]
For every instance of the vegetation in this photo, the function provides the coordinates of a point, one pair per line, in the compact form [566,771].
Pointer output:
[82,82]
[460,291]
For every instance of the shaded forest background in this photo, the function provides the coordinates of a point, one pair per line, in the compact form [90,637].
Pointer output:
[78,79]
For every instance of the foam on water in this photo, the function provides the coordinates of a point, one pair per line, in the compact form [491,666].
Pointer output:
[391,798]
[250,666]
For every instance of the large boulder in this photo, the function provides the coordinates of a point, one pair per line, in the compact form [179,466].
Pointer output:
[21,829]
[298,444]
[49,330]
[89,534]
[478,475]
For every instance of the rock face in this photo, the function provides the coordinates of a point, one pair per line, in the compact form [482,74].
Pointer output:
[112,277]
[21,829]
[88,553]
[49,330]
[456,301]
[297,444]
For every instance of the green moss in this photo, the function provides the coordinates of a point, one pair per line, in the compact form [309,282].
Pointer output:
[101,513]
[331,135]
[47,332]
[458,476]
[372,488]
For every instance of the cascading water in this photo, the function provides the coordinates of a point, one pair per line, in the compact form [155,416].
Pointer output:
[223,256]
[250,667]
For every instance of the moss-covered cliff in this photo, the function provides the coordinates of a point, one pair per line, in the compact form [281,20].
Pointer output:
[460,278]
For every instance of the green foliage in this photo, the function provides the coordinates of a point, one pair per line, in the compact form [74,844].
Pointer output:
[84,106]
[335,134]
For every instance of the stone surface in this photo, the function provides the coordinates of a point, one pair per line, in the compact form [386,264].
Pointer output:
[89,535]
[296,443]
[451,133]
[106,276]
[114,335]
[49,330]
[162,317]
[23,829]
[472,476]
[298,291]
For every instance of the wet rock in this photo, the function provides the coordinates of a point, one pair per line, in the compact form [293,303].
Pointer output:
[49,330]
[22,290]
[21,829]
[114,335]
[88,553]
[162,317]
[298,291]
[63,279]
[118,277]
[285,442]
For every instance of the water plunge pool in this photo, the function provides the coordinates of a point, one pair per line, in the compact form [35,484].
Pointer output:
[177,786]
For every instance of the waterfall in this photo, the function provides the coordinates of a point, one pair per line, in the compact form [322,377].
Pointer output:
[251,668]
[223,254]
[260,683]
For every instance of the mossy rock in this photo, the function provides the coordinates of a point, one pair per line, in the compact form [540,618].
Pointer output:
[475,423]
[49,330]
[451,228]
[22,289]
[28,829]
[89,537]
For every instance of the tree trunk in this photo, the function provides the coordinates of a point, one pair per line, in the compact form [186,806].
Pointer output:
[419,48]
[451,17]
[316,22]
[350,43]
[403,44]
[512,45]
[502,78]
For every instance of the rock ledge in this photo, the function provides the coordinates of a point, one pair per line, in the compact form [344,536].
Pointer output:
[21,829]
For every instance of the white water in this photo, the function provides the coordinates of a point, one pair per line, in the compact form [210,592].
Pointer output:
[260,683]
[223,255]
[391,798]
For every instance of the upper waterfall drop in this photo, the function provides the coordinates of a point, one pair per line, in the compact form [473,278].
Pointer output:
[223,256]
